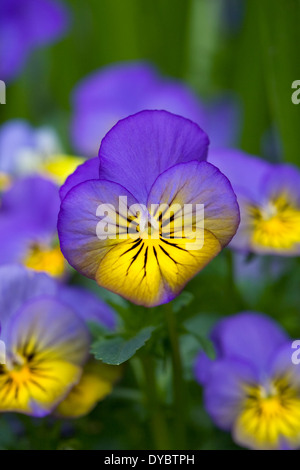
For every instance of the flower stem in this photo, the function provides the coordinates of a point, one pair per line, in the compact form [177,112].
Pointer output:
[179,392]
[157,422]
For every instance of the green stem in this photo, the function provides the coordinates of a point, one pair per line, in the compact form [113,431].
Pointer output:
[179,391]
[238,302]
[157,422]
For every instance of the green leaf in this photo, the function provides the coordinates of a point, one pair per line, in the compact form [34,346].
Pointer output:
[117,350]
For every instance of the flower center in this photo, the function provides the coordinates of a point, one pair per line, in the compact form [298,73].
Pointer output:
[269,415]
[276,225]
[45,259]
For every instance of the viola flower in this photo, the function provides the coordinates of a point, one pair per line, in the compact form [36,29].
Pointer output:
[46,346]
[119,90]
[43,327]
[28,226]
[252,389]
[269,200]
[151,159]
[24,26]
[25,151]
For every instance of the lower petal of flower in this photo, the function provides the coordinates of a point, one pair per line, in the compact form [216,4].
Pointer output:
[95,384]
[269,417]
[153,271]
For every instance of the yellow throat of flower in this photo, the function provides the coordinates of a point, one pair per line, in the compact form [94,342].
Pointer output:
[5,182]
[46,259]
[59,167]
[269,416]
[276,225]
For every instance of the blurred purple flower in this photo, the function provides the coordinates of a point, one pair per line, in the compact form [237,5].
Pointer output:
[25,150]
[269,200]
[46,339]
[252,388]
[24,26]
[120,90]
[28,220]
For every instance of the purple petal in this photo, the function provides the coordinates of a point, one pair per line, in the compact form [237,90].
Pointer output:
[200,183]
[222,122]
[77,223]
[224,390]
[285,363]
[282,180]
[24,25]
[53,325]
[202,368]
[245,172]
[18,285]
[34,202]
[15,136]
[88,306]
[14,48]
[250,337]
[89,170]
[46,20]
[139,148]
[117,91]
[124,84]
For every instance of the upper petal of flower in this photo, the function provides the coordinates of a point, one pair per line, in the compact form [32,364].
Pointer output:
[139,148]
[245,172]
[26,24]
[249,336]
[119,90]
[89,170]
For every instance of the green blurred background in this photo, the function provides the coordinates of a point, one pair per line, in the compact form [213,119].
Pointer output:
[250,47]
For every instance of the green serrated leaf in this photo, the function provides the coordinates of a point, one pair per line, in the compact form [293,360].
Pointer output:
[117,350]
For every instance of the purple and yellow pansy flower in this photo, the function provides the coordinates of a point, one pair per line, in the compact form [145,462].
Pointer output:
[252,389]
[119,90]
[43,328]
[154,161]
[269,200]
